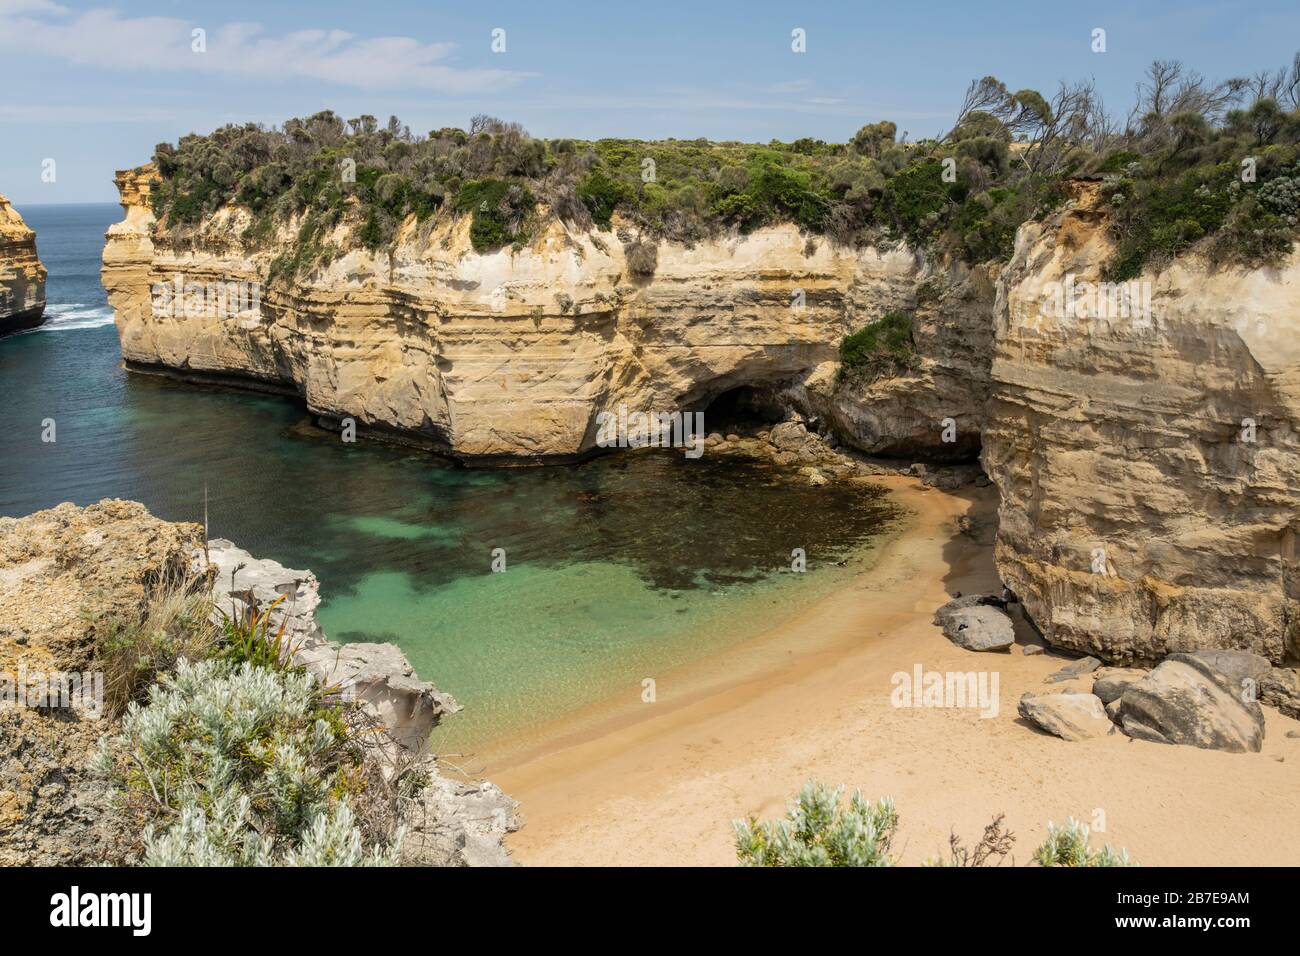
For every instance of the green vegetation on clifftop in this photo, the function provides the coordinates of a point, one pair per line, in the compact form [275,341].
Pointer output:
[1215,167]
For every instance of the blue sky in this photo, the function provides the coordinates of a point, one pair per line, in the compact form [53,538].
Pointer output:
[94,86]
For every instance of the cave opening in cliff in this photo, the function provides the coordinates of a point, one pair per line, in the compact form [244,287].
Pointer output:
[743,407]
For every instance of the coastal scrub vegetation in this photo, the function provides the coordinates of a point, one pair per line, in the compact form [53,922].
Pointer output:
[228,754]
[1070,846]
[1213,166]
[882,347]
[820,829]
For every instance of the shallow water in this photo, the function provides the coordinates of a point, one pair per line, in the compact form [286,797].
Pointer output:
[615,569]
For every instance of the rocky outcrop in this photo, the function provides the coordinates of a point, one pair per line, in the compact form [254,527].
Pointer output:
[72,578]
[1145,450]
[377,675]
[22,277]
[513,354]
[936,411]
[1149,462]
[448,822]
[1184,701]
[67,576]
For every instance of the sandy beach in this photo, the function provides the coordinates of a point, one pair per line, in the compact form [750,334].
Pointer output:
[734,736]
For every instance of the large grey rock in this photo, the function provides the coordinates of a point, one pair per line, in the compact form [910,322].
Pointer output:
[456,823]
[976,622]
[1068,716]
[1243,669]
[1185,701]
[1112,686]
[1084,665]
[965,602]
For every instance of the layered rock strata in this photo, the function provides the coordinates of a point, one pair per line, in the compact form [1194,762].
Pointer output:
[513,354]
[1146,445]
[22,277]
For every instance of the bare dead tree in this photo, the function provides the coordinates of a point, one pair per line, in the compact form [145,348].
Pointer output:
[1170,88]
[1281,85]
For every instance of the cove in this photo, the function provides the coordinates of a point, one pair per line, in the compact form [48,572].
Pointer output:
[617,568]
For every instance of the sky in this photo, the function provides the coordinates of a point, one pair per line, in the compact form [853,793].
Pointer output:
[94,86]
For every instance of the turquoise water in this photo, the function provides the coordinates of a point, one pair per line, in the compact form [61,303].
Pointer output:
[615,569]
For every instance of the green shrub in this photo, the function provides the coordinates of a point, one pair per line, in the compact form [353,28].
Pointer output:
[248,639]
[600,195]
[880,348]
[786,192]
[1068,846]
[1172,179]
[1118,161]
[498,209]
[818,831]
[916,199]
[1165,217]
[239,765]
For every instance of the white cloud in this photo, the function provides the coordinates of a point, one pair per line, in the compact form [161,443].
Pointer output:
[104,38]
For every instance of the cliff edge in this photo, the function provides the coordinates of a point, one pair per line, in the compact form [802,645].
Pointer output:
[22,277]
[1146,444]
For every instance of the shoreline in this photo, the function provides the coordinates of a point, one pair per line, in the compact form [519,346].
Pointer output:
[737,734]
[680,682]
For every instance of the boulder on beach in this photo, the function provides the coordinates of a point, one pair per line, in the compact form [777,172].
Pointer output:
[976,622]
[1185,701]
[1243,669]
[1068,716]
[1111,687]
[1084,665]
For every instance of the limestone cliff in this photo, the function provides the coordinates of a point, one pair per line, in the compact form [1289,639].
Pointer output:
[22,277]
[1148,462]
[513,354]
[935,412]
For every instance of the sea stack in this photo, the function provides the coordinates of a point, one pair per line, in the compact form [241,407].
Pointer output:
[22,277]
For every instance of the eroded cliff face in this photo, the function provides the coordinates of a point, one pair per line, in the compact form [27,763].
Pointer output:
[513,354]
[934,412]
[1149,463]
[22,277]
